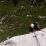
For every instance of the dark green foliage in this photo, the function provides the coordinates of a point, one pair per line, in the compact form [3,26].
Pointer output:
[17,19]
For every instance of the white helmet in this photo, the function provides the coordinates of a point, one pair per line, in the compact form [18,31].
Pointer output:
[32,25]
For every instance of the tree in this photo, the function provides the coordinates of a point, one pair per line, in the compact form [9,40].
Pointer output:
[15,2]
[34,2]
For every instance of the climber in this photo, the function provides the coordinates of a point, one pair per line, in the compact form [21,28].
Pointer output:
[34,27]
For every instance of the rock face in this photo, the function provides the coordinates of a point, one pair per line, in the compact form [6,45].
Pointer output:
[37,38]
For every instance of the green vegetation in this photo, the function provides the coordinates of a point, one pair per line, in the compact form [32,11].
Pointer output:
[15,20]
